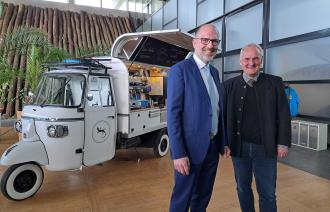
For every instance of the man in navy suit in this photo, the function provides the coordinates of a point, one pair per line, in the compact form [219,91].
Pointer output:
[195,123]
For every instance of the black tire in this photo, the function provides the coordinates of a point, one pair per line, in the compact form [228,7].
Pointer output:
[161,144]
[21,181]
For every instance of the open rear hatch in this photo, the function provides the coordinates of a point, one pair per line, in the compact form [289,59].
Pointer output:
[160,48]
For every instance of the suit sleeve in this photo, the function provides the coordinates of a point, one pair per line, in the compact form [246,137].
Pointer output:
[224,114]
[283,116]
[175,105]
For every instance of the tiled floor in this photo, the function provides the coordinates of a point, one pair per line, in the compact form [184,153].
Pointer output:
[314,162]
[127,184]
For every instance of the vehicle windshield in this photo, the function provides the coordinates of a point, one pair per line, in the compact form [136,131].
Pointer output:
[59,90]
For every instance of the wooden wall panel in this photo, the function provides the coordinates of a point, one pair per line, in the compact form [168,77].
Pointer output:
[68,30]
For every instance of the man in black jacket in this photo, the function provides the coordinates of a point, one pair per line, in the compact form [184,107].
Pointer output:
[258,129]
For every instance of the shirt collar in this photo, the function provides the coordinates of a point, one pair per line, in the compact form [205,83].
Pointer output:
[247,78]
[199,62]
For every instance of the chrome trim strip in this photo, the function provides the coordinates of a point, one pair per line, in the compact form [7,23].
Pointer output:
[54,119]
[121,114]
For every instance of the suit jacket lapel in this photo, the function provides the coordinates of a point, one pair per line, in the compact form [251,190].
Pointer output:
[216,79]
[197,75]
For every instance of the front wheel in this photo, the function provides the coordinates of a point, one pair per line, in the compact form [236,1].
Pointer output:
[21,181]
[162,144]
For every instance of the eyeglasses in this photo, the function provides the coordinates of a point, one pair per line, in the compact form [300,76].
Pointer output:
[206,41]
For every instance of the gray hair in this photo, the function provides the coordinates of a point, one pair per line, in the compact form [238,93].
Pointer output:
[258,48]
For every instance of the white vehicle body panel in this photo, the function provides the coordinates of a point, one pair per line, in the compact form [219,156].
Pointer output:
[61,151]
[100,125]
[23,151]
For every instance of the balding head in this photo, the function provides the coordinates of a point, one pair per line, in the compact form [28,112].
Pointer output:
[206,42]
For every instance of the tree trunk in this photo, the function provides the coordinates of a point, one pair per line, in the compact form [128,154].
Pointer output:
[55,28]
[65,32]
[70,42]
[4,9]
[114,28]
[79,34]
[121,25]
[74,33]
[97,31]
[41,20]
[111,32]
[50,25]
[103,31]
[3,16]
[27,23]
[13,61]
[45,24]
[60,29]
[7,18]
[118,26]
[36,17]
[128,24]
[91,26]
[20,20]
[88,32]
[83,32]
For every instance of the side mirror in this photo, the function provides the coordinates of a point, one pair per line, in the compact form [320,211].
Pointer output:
[89,97]
[29,98]
[30,94]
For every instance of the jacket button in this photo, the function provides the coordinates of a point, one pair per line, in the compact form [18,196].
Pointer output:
[244,86]
[238,122]
[239,109]
[242,97]
[238,133]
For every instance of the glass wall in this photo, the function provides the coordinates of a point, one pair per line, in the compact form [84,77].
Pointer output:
[209,10]
[114,4]
[228,76]
[244,28]
[157,20]
[217,63]
[309,60]
[170,11]
[171,25]
[94,3]
[233,4]
[297,45]
[295,17]
[186,10]
[218,25]
[314,99]
[156,5]
[232,63]
[147,25]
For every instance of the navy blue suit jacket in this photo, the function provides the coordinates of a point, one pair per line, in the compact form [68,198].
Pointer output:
[189,112]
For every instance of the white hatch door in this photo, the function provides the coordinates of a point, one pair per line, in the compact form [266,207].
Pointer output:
[100,122]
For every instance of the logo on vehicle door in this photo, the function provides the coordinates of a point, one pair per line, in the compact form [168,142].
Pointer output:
[101,131]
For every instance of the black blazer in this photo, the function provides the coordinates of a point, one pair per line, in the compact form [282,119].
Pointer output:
[273,111]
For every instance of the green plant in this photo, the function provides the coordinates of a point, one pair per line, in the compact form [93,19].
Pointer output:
[32,43]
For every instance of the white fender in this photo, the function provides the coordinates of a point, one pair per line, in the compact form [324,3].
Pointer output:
[25,151]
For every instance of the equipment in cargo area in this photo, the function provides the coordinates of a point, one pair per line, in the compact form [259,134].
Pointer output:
[85,109]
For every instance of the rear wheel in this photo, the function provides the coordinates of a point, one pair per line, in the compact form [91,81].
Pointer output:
[21,181]
[161,143]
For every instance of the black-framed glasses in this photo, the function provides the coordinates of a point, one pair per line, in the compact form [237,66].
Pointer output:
[206,41]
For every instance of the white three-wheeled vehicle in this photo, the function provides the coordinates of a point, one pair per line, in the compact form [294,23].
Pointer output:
[84,110]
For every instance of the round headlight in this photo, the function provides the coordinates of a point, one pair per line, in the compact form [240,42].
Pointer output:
[51,131]
[18,126]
